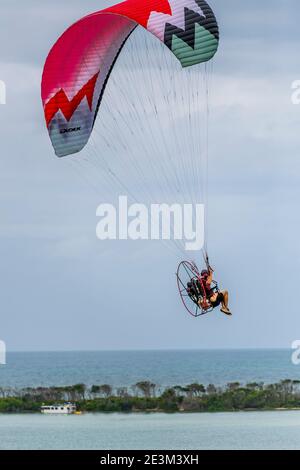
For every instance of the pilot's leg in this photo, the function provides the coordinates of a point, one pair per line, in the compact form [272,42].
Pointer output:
[224,302]
[225,299]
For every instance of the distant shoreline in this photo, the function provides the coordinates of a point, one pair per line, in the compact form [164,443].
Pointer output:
[153,412]
[147,397]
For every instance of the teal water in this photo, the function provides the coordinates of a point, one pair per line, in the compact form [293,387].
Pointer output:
[251,430]
[165,368]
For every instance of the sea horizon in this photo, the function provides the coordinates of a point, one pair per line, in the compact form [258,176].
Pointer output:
[124,368]
[145,350]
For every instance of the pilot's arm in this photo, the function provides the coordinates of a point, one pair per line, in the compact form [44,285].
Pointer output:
[210,276]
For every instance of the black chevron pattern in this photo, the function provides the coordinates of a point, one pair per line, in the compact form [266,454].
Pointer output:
[209,22]
[191,17]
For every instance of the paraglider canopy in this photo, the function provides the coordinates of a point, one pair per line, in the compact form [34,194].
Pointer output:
[79,64]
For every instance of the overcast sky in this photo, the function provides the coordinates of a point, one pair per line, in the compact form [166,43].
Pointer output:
[61,288]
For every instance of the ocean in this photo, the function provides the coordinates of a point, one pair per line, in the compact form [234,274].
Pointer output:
[164,368]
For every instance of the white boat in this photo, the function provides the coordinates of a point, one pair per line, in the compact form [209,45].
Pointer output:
[65,409]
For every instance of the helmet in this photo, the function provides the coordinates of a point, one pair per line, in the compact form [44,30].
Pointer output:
[204,273]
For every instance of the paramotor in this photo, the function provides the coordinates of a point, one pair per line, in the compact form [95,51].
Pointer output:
[191,289]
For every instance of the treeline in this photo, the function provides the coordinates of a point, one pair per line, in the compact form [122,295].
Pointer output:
[146,396]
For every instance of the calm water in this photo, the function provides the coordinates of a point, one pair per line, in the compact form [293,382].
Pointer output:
[252,430]
[164,368]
